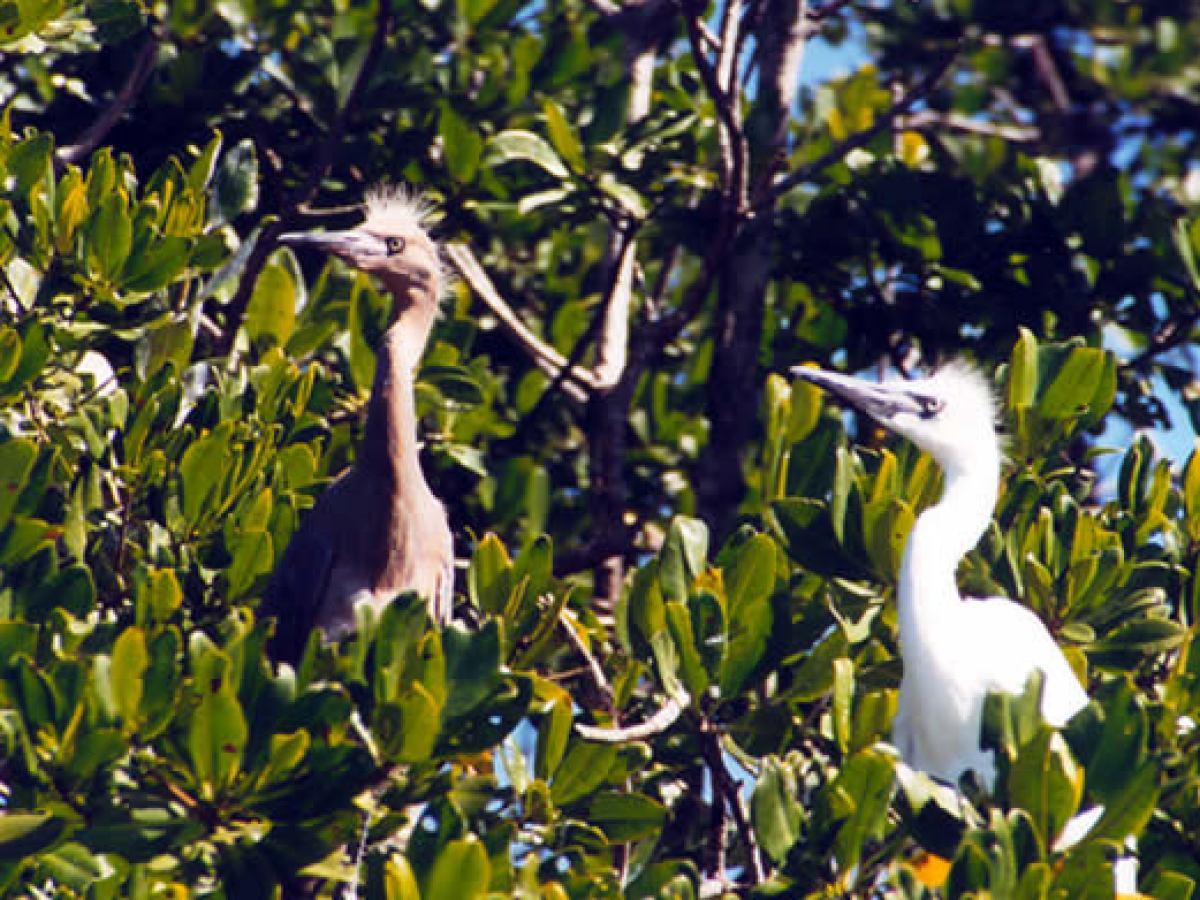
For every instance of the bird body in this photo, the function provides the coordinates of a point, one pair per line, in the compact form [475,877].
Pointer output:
[378,529]
[955,650]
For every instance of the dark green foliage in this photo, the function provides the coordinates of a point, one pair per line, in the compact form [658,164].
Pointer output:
[1006,181]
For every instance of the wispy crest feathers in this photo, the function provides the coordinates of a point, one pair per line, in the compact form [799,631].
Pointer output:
[396,207]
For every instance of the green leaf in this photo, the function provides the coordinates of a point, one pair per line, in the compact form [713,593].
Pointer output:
[683,557]
[253,554]
[461,145]
[129,663]
[860,796]
[203,468]
[157,266]
[271,314]
[683,633]
[562,136]
[775,812]
[510,146]
[1023,371]
[749,582]
[10,352]
[170,342]
[110,235]
[24,834]
[235,188]
[201,171]
[460,872]
[626,817]
[1046,782]
[1070,394]
[489,576]
[583,769]
[16,462]
[217,731]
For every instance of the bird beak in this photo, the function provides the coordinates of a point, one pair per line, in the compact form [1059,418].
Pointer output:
[880,401]
[352,244]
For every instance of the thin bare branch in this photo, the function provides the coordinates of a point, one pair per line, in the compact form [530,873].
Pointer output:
[94,134]
[546,357]
[883,121]
[933,120]
[593,666]
[666,716]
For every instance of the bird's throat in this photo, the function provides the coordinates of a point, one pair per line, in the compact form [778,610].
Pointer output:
[390,440]
[942,535]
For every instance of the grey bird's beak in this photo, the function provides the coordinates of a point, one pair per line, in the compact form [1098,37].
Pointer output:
[354,243]
[882,402]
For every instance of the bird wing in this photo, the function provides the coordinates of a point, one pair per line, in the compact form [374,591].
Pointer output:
[1019,643]
[296,592]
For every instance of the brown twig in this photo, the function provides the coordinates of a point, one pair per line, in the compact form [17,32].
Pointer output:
[726,99]
[593,666]
[883,122]
[726,787]
[321,165]
[94,134]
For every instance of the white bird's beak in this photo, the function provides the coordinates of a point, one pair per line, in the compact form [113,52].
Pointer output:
[352,244]
[883,402]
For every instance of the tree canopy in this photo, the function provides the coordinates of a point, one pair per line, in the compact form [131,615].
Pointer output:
[676,663]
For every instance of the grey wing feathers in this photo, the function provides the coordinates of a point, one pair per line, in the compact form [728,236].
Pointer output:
[295,593]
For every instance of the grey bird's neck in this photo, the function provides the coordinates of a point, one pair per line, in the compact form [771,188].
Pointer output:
[389,445]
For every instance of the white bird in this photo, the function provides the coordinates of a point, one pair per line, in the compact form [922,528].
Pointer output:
[955,650]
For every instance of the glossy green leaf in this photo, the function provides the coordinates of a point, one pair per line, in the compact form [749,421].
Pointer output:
[110,236]
[749,580]
[462,145]
[16,462]
[626,817]
[460,872]
[516,144]
[272,311]
[129,664]
[774,810]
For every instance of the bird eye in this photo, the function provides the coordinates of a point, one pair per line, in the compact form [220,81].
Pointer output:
[394,245]
[930,406]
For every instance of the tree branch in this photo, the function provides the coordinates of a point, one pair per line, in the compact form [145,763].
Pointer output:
[659,722]
[930,120]
[883,122]
[94,134]
[321,165]
[544,356]
[725,787]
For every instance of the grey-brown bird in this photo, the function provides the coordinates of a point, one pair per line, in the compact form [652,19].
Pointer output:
[378,530]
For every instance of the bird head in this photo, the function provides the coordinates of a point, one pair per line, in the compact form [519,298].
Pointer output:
[951,414]
[391,243]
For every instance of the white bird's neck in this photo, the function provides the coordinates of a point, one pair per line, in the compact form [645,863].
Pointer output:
[928,594]
[390,440]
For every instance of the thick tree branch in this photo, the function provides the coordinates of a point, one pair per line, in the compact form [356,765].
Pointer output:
[883,121]
[612,346]
[321,165]
[94,134]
